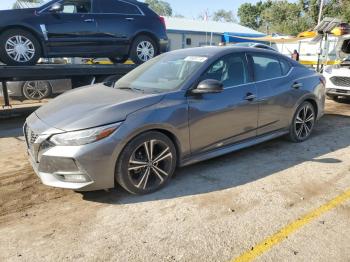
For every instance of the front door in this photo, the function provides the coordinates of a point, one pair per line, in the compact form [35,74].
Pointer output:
[72,31]
[218,120]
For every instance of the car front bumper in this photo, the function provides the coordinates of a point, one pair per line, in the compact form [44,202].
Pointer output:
[82,168]
[338,91]
[338,82]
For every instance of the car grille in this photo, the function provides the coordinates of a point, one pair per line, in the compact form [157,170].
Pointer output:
[30,136]
[340,81]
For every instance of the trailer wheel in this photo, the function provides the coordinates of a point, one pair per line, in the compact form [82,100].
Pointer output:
[36,90]
[119,60]
[19,47]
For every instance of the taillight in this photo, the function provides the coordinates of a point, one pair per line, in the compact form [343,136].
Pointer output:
[162,20]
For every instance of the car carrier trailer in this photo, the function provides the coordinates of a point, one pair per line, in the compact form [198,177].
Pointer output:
[80,74]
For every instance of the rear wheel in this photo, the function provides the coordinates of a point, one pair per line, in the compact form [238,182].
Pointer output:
[36,90]
[143,49]
[147,163]
[303,123]
[19,47]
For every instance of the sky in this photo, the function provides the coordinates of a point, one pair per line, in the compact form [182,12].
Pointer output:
[188,8]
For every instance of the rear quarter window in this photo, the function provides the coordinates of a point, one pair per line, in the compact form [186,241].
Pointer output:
[117,7]
[285,66]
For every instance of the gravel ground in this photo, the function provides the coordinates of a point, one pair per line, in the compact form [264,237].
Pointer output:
[212,211]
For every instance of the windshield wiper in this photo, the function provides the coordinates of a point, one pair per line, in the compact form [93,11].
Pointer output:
[130,88]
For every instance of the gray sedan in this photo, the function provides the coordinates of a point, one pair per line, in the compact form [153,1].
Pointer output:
[37,90]
[179,108]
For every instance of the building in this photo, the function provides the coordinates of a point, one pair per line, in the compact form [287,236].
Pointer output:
[186,33]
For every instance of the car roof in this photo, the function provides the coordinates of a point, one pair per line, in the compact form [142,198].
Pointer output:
[220,50]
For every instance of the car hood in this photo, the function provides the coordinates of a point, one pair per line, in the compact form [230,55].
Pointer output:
[93,106]
[14,12]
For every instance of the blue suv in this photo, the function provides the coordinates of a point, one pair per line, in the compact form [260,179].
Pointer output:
[117,29]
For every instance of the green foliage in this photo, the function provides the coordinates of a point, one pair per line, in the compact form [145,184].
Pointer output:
[22,3]
[286,17]
[160,7]
[224,16]
[250,14]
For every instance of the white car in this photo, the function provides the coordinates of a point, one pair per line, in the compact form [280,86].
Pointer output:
[338,76]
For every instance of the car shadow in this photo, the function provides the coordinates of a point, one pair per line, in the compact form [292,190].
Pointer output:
[242,167]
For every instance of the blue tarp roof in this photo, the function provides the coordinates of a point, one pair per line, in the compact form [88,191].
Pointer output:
[232,37]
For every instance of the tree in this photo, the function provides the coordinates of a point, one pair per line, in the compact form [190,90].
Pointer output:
[23,3]
[287,18]
[250,14]
[160,7]
[224,16]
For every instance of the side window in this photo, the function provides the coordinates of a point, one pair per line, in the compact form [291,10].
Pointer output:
[285,65]
[117,7]
[266,67]
[76,6]
[231,70]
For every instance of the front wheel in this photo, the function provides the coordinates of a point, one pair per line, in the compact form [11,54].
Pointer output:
[303,123]
[19,47]
[147,163]
[143,49]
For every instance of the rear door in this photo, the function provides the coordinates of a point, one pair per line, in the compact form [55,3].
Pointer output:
[72,31]
[218,120]
[117,21]
[275,92]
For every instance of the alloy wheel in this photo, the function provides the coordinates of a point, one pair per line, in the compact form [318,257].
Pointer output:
[36,90]
[20,48]
[145,51]
[150,165]
[304,122]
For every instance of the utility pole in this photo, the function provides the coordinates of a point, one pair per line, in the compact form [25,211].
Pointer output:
[320,13]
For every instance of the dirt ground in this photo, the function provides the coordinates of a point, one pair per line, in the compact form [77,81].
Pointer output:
[212,211]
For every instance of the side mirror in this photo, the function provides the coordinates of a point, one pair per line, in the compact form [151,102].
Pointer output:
[56,7]
[209,86]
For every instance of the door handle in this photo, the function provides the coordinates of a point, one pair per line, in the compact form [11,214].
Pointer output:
[90,20]
[130,18]
[297,85]
[250,97]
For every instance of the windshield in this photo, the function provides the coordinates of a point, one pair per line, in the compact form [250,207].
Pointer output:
[164,73]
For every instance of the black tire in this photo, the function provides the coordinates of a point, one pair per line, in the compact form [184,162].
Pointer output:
[33,47]
[119,60]
[135,56]
[303,123]
[36,90]
[133,176]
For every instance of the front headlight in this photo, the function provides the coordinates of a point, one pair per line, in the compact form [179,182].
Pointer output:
[83,137]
